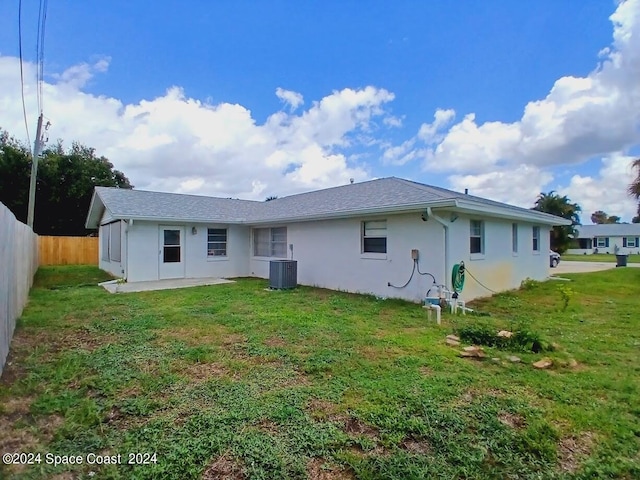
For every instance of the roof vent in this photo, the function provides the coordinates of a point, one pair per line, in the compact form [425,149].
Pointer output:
[466,191]
[351,181]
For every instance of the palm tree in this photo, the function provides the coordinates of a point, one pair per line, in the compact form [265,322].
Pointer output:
[634,188]
[561,236]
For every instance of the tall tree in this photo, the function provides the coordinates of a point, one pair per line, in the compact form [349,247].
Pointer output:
[599,217]
[561,236]
[634,188]
[64,187]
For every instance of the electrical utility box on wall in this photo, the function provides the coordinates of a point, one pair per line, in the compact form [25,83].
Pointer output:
[414,254]
[283,274]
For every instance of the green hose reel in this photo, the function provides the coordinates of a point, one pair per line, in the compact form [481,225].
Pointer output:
[457,277]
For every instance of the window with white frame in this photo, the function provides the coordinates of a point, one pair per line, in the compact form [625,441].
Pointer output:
[114,242]
[270,242]
[630,242]
[601,242]
[476,236]
[374,236]
[514,237]
[536,239]
[104,242]
[216,242]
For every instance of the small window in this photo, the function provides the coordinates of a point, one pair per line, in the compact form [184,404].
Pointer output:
[514,237]
[216,242]
[104,241]
[374,236]
[476,236]
[270,242]
[536,239]
[601,242]
[630,242]
[171,248]
[114,243]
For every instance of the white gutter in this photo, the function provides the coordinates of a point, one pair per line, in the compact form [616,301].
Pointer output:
[447,261]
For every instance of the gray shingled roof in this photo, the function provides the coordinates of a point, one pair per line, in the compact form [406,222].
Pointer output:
[609,230]
[385,194]
[125,203]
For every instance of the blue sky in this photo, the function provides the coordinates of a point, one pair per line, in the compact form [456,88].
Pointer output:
[250,99]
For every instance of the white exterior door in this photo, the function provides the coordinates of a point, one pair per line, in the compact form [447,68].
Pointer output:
[171,252]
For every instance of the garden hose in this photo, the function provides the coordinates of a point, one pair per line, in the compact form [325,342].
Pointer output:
[457,277]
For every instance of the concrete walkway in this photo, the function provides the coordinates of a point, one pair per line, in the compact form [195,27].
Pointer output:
[581,267]
[114,287]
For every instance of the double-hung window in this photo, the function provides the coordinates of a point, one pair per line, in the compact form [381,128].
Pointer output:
[374,236]
[536,239]
[602,242]
[270,242]
[630,242]
[216,242]
[476,236]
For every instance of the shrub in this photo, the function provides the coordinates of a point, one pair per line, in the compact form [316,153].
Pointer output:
[522,339]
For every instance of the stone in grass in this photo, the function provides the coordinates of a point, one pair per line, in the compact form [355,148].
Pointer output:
[505,334]
[544,363]
[453,343]
[455,338]
[473,352]
[514,359]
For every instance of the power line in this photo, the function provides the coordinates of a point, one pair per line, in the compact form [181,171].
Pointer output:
[24,107]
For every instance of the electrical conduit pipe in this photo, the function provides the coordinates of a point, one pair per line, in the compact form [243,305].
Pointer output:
[446,244]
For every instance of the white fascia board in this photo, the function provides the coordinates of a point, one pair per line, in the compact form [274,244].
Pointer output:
[395,209]
[93,217]
[178,220]
[532,216]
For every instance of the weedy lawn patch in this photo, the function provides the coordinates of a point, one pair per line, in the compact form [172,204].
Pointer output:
[233,381]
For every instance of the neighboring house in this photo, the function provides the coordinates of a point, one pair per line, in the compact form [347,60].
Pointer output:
[608,238]
[356,237]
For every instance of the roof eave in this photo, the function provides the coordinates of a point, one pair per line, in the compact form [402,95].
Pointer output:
[95,212]
[406,208]
[141,218]
[510,213]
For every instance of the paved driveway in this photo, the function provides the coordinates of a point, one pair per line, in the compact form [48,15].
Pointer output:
[580,267]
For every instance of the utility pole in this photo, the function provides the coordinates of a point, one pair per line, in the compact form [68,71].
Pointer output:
[37,150]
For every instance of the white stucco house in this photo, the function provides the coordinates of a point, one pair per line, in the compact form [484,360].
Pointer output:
[357,237]
[623,238]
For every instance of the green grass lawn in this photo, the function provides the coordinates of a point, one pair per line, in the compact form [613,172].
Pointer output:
[600,257]
[233,381]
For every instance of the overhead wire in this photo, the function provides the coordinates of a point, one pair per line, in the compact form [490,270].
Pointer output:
[24,107]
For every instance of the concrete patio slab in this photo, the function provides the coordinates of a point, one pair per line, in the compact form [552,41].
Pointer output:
[114,287]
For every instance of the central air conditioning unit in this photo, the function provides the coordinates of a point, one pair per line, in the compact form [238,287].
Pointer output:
[283,274]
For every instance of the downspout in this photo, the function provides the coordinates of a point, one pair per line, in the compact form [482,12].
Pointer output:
[447,262]
[126,241]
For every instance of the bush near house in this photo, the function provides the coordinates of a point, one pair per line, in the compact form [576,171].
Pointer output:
[233,381]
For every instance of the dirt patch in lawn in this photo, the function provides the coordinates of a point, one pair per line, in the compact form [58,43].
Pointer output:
[201,372]
[320,469]
[275,342]
[224,467]
[512,420]
[322,409]
[353,426]
[418,447]
[473,394]
[572,450]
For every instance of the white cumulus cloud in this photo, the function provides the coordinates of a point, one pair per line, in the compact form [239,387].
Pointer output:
[181,144]
[293,99]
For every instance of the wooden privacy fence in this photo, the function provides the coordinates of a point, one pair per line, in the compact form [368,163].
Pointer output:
[18,265]
[68,250]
